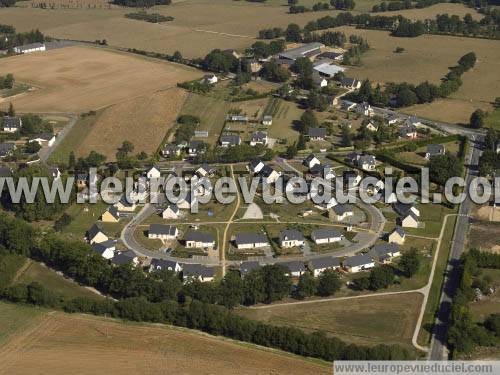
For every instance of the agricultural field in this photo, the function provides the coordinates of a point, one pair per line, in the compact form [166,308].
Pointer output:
[358,320]
[428,58]
[484,236]
[97,345]
[79,79]
[14,318]
[285,116]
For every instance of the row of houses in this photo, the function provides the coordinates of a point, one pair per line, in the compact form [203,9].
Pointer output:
[192,239]
[106,247]
[231,140]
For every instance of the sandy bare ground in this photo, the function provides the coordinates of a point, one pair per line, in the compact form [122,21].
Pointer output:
[77,79]
[60,344]
[144,121]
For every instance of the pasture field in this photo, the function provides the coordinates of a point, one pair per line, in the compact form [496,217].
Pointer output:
[428,58]
[359,320]
[285,114]
[493,119]
[96,345]
[53,281]
[78,79]
[15,318]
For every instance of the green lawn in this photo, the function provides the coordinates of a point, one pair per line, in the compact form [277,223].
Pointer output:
[284,115]
[493,119]
[14,318]
[54,282]
[83,216]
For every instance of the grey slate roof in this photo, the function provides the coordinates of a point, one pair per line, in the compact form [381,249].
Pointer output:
[199,236]
[317,132]
[6,148]
[435,149]
[113,211]
[303,51]
[249,238]
[124,257]
[383,249]
[248,266]
[402,208]
[358,260]
[162,229]
[294,265]
[254,163]
[324,262]
[162,264]
[366,159]
[232,139]
[291,235]
[399,230]
[325,233]
[309,158]
[341,209]
[196,270]
[259,137]
[12,122]
[266,171]
[348,81]
[101,247]
[93,231]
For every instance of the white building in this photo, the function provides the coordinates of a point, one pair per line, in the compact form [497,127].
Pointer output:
[326,235]
[162,232]
[30,48]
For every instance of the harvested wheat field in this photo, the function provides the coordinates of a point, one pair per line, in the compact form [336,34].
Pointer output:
[78,79]
[144,121]
[57,343]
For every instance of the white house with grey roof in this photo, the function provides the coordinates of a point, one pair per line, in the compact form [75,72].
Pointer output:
[365,109]
[106,248]
[256,166]
[259,138]
[199,240]
[125,257]
[366,162]
[317,134]
[171,150]
[172,212]
[408,131]
[269,175]
[162,232]
[164,265]
[434,150]
[319,265]
[385,252]
[12,124]
[340,212]
[153,172]
[357,263]
[326,235]
[229,140]
[197,272]
[291,238]
[295,268]
[311,161]
[250,240]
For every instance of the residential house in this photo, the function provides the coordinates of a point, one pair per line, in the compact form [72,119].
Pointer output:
[236,118]
[43,139]
[267,120]
[164,265]
[346,105]
[255,66]
[434,150]
[6,149]
[367,162]
[326,235]
[405,208]
[248,266]
[162,232]
[357,263]
[397,236]
[319,265]
[291,238]
[153,172]
[125,257]
[306,50]
[256,166]
[340,212]
[170,150]
[96,235]
[250,240]
[323,171]
[269,175]
[204,170]
[171,212]
[385,252]
[106,248]
[12,124]
[200,240]
[111,215]
[197,272]
[30,48]
[229,140]
[317,134]
[365,109]
[259,138]
[393,119]
[123,205]
[320,81]
[351,178]
[211,79]
[295,268]
[195,148]
[414,121]
[350,83]
[409,220]
[311,161]
[408,131]
[497,147]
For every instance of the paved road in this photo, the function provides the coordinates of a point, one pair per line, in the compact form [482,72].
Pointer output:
[438,350]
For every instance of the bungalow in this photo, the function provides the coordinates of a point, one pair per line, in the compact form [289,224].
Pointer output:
[123,205]
[326,235]
[414,121]
[30,48]
[267,120]
[410,220]
[291,238]
[125,257]
[164,265]
[6,149]
[195,148]
[211,79]
[408,131]
[320,81]
[269,175]
[106,248]
[341,212]
[319,265]
[384,252]
[111,215]
[295,268]
[397,236]
[250,240]
[197,272]
[317,134]
[12,124]
[96,235]
[365,109]
[434,150]
[248,266]
[350,83]
[311,161]
[256,166]
[259,138]
[153,172]
[195,239]
[358,263]
[367,162]
[204,170]
[236,118]
[171,150]
[171,212]
[229,140]
[44,139]
[404,209]
[162,232]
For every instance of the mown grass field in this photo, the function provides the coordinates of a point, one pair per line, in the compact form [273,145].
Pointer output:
[493,119]
[285,115]
[87,344]
[373,320]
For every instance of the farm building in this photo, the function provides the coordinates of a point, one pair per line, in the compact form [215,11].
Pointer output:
[30,48]
[327,69]
[307,50]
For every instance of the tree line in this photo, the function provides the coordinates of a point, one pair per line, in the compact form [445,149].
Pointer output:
[406,4]
[149,17]
[159,297]
[11,38]
[7,81]
[141,3]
